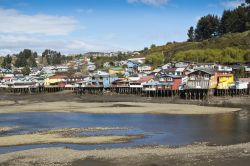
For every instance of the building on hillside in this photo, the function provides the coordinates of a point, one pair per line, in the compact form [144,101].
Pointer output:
[174,71]
[210,66]
[181,64]
[106,65]
[91,66]
[138,60]
[5,71]
[224,69]
[145,68]
[116,70]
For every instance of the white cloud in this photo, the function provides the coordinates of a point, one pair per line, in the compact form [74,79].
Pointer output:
[232,4]
[41,31]
[150,2]
[12,43]
[13,21]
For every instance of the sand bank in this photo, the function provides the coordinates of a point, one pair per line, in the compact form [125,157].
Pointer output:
[114,108]
[6,129]
[189,155]
[66,136]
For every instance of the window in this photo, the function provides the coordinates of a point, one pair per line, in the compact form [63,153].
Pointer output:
[206,76]
[169,79]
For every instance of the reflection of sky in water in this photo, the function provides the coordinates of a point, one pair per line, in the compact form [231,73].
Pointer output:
[158,129]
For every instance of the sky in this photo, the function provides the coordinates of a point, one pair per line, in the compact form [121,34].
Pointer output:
[80,26]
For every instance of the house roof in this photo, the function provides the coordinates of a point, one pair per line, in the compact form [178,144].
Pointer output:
[172,76]
[205,70]
[144,79]
[155,83]
[57,77]
[245,79]
[224,75]
[173,69]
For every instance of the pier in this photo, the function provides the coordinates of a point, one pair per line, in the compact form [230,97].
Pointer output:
[186,94]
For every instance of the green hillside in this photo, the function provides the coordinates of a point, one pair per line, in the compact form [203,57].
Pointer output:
[235,45]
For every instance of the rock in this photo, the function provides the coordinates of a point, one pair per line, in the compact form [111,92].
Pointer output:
[245,151]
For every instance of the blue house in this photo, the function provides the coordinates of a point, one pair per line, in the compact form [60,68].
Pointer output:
[5,71]
[132,64]
[103,80]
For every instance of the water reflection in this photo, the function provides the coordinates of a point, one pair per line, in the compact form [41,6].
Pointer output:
[158,129]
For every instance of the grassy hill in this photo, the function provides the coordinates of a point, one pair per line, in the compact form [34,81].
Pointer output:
[240,42]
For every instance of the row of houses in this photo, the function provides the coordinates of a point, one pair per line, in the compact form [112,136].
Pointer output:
[136,74]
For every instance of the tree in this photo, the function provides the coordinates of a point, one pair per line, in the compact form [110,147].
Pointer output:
[26,70]
[207,27]
[156,59]
[191,34]
[234,20]
[26,58]
[7,62]
[152,46]
[50,57]
[247,1]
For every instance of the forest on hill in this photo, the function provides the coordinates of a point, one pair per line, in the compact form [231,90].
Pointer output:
[214,39]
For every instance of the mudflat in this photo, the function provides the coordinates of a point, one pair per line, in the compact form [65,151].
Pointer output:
[112,107]
[71,136]
[199,154]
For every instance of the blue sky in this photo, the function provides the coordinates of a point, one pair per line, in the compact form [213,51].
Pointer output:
[79,26]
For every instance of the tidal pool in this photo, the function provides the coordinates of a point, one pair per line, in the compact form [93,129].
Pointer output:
[173,130]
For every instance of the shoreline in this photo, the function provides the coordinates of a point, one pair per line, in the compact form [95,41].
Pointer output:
[114,104]
[240,101]
[199,154]
[114,108]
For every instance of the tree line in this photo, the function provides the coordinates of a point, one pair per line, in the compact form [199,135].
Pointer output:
[28,59]
[231,21]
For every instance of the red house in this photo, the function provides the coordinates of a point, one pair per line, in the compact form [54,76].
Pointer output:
[172,82]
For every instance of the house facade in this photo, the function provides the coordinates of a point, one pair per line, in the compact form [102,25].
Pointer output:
[201,79]
[54,80]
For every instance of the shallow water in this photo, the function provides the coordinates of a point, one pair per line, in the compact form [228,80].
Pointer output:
[221,129]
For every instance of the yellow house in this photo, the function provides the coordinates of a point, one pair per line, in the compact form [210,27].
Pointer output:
[225,81]
[113,71]
[54,80]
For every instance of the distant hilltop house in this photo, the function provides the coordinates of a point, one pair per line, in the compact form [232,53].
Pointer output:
[138,60]
[145,68]
[91,66]
[174,71]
